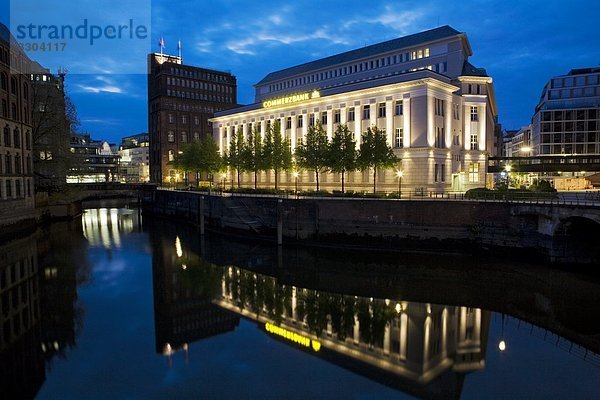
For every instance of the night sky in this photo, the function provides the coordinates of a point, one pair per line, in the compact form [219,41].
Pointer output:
[520,43]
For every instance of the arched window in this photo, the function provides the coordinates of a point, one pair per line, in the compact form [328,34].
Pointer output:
[17,138]
[4,81]
[13,85]
[6,136]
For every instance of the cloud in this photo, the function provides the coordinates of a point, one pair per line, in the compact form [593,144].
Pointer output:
[100,84]
[100,89]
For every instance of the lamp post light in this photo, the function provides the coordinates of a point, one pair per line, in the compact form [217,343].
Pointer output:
[399,174]
[295,175]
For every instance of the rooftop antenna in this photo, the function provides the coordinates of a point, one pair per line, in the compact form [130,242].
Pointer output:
[62,72]
[161,43]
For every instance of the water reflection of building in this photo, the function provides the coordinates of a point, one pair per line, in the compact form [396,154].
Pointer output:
[60,275]
[184,287]
[21,359]
[424,349]
[104,226]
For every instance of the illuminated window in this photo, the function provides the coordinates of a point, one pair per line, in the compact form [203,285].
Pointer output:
[171,155]
[427,52]
[474,114]
[420,53]
[474,141]
[399,139]
[474,172]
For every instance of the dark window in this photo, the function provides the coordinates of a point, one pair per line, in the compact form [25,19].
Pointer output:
[13,85]
[381,110]
[324,118]
[399,108]
[366,112]
[4,81]
[351,114]
[6,136]
[336,117]
[8,188]
[17,138]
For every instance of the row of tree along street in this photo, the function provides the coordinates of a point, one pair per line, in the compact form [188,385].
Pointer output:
[316,153]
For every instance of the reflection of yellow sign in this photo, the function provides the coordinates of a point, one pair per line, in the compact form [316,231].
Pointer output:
[295,98]
[293,337]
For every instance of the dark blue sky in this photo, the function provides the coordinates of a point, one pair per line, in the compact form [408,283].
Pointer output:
[520,43]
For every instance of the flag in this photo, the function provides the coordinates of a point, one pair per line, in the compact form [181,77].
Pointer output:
[179,45]
[161,43]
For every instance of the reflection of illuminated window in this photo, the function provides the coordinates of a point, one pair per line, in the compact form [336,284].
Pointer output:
[50,273]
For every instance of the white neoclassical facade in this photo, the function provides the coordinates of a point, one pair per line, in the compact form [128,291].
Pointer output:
[437,110]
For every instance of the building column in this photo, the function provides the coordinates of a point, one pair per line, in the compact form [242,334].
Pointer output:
[481,127]
[293,132]
[305,120]
[329,124]
[448,118]
[430,120]
[221,140]
[403,334]
[373,109]
[358,126]
[230,129]
[406,118]
[356,332]
[467,125]
[386,339]
[389,122]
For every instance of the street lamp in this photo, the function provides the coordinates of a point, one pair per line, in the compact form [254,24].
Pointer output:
[295,175]
[399,174]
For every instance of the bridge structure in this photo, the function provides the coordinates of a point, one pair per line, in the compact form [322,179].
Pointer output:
[108,190]
[545,164]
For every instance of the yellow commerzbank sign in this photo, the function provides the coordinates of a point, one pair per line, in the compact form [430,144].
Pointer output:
[295,98]
[293,337]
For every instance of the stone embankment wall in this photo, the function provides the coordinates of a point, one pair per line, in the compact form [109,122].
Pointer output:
[451,225]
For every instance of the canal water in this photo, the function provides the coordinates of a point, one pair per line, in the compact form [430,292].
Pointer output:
[116,306]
